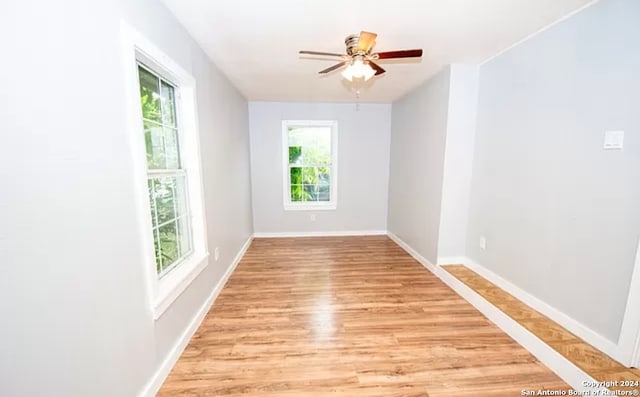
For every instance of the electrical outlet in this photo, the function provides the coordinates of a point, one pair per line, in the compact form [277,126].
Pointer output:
[483,243]
[613,140]
[312,217]
[216,253]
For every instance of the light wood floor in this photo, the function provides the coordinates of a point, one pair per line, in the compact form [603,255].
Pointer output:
[348,316]
[592,361]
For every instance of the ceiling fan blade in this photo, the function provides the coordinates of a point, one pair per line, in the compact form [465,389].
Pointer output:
[332,68]
[328,54]
[366,41]
[377,68]
[400,54]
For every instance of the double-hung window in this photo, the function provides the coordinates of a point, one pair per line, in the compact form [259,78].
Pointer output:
[166,175]
[166,163]
[310,164]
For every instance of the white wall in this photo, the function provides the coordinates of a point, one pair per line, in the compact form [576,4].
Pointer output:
[560,214]
[363,167]
[458,163]
[75,316]
[418,136]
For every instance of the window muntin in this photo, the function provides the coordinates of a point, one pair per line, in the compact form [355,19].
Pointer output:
[310,164]
[166,178]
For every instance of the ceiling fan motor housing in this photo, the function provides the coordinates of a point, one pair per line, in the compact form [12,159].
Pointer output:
[351,42]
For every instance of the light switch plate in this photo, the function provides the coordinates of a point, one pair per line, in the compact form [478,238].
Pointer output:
[613,140]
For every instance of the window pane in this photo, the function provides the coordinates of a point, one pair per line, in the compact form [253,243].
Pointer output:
[315,185]
[296,193]
[324,173]
[324,179]
[184,235]
[311,192]
[181,196]
[309,175]
[154,141]
[168,244]
[295,154]
[324,195]
[173,238]
[149,94]
[295,176]
[315,143]
[152,201]
[324,184]
[168,104]
[156,248]
[164,193]
[171,149]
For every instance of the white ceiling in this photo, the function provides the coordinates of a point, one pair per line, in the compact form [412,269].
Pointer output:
[256,42]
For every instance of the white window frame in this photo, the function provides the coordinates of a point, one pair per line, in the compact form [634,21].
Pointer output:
[289,205]
[176,173]
[162,292]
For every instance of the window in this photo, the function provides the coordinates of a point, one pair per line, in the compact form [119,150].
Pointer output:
[310,165]
[167,179]
[165,148]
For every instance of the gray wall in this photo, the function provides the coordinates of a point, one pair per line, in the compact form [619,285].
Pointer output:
[363,167]
[560,214]
[75,316]
[458,163]
[418,135]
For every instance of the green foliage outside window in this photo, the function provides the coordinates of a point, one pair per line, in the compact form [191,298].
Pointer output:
[310,163]
[167,191]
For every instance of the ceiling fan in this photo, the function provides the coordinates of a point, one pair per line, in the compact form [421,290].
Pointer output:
[359,58]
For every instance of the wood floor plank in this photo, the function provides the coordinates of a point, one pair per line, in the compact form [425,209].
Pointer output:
[347,316]
[586,357]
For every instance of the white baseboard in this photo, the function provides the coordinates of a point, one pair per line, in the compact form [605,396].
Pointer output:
[155,383]
[566,370]
[452,260]
[322,234]
[575,327]
[423,261]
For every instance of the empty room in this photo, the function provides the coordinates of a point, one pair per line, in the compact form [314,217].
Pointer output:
[434,198]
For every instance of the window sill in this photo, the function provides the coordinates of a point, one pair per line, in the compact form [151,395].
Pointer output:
[173,284]
[322,207]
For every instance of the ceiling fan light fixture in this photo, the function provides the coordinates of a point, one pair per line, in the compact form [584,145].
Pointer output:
[360,60]
[347,73]
[358,69]
[369,72]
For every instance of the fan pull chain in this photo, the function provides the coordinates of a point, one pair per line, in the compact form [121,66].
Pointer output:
[357,101]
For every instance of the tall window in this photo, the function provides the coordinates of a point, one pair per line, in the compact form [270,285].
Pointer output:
[310,171]
[167,167]
[166,176]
